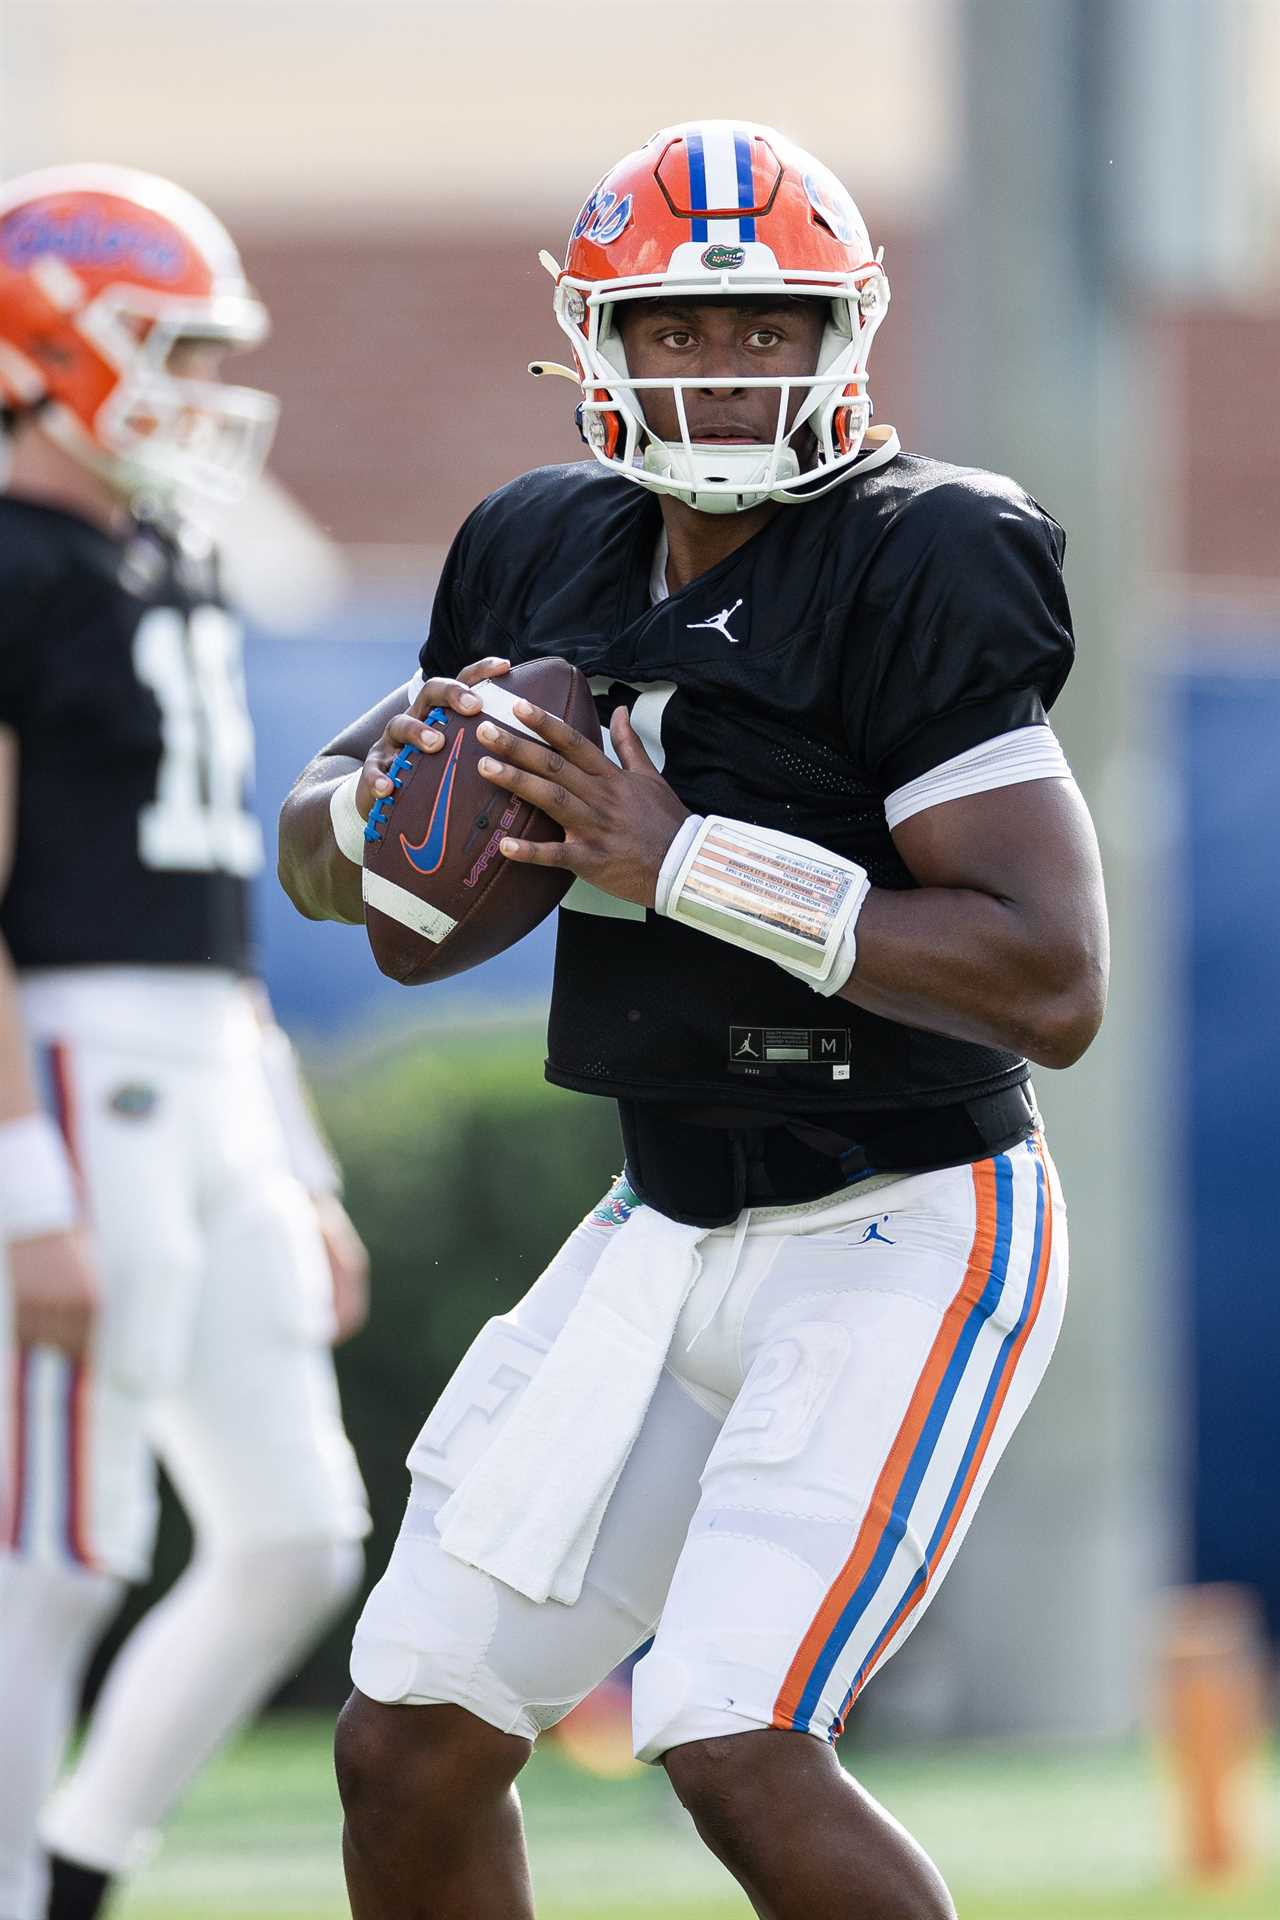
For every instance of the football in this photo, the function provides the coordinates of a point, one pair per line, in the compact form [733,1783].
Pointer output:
[439,895]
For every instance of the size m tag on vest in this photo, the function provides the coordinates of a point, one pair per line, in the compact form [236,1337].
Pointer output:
[764,1050]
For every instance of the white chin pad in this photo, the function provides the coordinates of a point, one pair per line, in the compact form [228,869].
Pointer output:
[733,472]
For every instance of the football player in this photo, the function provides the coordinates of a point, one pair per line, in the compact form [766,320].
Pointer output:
[177,1257]
[835,889]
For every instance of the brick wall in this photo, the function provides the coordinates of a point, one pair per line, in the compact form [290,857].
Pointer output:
[401,361]
[1223,380]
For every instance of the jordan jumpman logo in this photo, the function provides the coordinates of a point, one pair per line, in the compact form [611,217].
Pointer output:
[719,621]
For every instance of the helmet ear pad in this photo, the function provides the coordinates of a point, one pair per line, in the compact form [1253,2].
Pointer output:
[612,429]
[837,336]
[14,414]
[610,420]
[611,350]
[840,424]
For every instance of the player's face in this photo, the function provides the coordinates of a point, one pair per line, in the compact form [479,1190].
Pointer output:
[715,341]
[196,359]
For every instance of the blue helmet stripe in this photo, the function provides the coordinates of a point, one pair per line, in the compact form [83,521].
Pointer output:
[746,185]
[697,182]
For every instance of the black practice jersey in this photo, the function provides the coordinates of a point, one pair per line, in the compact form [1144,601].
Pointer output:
[851,645]
[120,674]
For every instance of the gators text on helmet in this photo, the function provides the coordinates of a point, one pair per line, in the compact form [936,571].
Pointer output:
[103,270]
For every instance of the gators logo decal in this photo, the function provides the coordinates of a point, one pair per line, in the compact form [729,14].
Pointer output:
[617,1206]
[719,258]
[831,204]
[133,1100]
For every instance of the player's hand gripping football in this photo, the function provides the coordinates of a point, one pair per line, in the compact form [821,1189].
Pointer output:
[409,729]
[55,1290]
[618,820]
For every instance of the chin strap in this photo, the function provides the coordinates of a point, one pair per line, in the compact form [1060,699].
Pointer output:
[668,463]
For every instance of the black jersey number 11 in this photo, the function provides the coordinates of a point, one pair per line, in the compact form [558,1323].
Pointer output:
[199,820]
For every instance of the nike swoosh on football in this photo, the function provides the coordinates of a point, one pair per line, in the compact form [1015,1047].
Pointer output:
[426,855]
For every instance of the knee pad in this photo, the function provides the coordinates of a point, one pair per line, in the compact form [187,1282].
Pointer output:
[48,1604]
[426,1630]
[661,1688]
[434,1632]
[319,1575]
[281,1594]
[670,1706]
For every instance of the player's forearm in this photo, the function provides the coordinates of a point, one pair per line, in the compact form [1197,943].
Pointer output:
[316,874]
[17,1091]
[322,881]
[37,1187]
[960,962]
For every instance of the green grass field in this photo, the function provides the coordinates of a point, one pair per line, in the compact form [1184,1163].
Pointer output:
[1021,1836]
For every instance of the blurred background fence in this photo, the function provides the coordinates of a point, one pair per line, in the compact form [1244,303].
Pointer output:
[1079,203]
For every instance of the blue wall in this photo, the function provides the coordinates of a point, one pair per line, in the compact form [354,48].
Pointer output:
[1230,737]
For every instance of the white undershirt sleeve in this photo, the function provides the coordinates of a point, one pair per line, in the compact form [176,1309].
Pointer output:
[1028,753]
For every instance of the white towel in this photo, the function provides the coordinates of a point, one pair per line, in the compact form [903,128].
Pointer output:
[529,1510]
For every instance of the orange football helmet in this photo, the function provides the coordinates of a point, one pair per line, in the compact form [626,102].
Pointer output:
[103,271]
[730,209]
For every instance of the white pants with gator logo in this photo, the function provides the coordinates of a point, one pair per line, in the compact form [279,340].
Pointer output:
[212,1346]
[842,1381]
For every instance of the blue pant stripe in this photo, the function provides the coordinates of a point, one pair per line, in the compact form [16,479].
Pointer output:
[993,1385]
[867,1588]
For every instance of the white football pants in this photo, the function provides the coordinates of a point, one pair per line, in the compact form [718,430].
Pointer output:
[211,1354]
[842,1381]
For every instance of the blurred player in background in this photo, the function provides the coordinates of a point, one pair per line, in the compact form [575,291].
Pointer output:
[177,1258]
[835,887]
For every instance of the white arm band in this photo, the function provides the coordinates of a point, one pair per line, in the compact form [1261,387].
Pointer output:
[1027,753]
[348,827]
[37,1189]
[783,898]
[310,1158]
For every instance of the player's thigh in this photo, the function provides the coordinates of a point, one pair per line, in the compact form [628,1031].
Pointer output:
[437,1631]
[254,1439]
[885,1373]
[80,1467]
[128,1118]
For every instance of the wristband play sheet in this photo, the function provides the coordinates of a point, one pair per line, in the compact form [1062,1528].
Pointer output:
[784,898]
